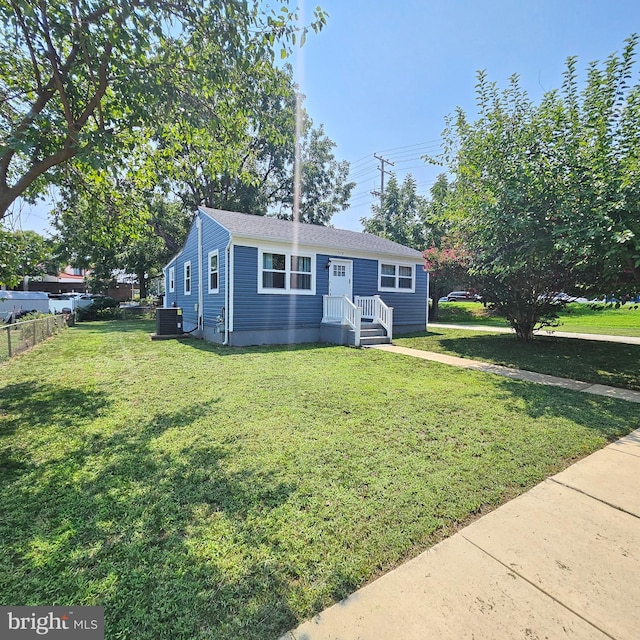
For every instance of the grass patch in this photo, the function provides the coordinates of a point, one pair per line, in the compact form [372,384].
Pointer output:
[589,361]
[576,317]
[202,492]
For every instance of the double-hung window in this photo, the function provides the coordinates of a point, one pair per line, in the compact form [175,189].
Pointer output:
[396,277]
[187,278]
[285,272]
[214,272]
[172,279]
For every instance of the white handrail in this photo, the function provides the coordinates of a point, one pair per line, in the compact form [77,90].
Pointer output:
[341,309]
[374,308]
[384,315]
[353,316]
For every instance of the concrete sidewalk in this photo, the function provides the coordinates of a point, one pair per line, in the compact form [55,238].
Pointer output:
[598,337]
[515,374]
[560,561]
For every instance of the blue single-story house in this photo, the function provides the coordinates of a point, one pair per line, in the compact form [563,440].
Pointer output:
[244,280]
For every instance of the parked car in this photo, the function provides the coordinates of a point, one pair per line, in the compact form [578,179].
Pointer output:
[462,296]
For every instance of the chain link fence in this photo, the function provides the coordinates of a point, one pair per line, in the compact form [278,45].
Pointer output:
[18,337]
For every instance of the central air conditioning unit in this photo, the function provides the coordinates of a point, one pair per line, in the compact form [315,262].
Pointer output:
[169,322]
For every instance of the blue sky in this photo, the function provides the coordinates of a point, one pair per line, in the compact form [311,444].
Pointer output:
[382,76]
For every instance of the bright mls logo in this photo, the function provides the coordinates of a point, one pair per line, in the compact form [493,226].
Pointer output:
[53,623]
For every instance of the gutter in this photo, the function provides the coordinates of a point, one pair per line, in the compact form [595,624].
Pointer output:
[200,292]
[227,295]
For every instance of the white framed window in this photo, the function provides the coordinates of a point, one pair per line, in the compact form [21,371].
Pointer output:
[214,272]
[281,271]
[187,278]
[396,277]
[172,279]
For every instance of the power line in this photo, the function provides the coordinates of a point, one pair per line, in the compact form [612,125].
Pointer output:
[409,146]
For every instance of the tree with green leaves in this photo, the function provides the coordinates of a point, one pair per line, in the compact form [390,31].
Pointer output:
[322,187]
[75,77]
[24,255]
[107,225]
[9,276]
[400,216]
[446,258]
[247,145]
[545,195]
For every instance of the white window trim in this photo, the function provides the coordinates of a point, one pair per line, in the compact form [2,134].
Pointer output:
[210,255]
[397,265]
[287,291]
[172,280]
[184,283]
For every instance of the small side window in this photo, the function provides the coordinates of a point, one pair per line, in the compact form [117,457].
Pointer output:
[187,278]
[214,274]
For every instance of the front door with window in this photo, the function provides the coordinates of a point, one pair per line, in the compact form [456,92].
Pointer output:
[340,278]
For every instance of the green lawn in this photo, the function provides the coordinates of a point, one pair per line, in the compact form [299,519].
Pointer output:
[201,492]
[579,318]
[608,363]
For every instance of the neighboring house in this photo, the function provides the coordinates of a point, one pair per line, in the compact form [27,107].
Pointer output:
[69,280]
[243,279]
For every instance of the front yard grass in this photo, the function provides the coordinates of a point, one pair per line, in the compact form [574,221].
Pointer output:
[202,492]
[608,363]
[576,317]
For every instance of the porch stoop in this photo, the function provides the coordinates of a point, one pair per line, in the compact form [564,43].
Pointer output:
[372,333]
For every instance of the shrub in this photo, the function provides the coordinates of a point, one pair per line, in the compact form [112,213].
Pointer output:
[101,308]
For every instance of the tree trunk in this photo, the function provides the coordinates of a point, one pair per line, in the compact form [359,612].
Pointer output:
[142,281]
[524,329]
[434,309]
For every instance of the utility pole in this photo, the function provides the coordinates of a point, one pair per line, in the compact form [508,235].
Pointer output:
[381,168]
[382,172]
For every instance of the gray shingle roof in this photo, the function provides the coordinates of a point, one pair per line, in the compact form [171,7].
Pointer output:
[264,228]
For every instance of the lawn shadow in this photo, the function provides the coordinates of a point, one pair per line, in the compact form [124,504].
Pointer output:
[34,405]
[142,528]
[606,363]
[220,350]
[609,417]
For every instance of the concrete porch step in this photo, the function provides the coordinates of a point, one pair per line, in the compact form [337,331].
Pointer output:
[371,334]
[368,341]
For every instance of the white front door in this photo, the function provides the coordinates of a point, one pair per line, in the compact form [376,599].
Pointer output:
[340,276]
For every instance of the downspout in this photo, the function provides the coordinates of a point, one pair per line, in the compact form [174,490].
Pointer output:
[227,296]
[200,293]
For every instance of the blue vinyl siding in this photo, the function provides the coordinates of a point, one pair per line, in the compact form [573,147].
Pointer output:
[169,295]
[256,311]
[408,308]
[253,311]
[186,302]
[214,237]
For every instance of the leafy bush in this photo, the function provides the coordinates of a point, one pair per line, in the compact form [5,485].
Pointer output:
[101,308]
[31,315]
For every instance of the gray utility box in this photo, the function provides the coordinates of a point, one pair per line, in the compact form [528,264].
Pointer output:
[169,322]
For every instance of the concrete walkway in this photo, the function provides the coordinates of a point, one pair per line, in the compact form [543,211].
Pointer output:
[598,337]
[516,374]
[560,561]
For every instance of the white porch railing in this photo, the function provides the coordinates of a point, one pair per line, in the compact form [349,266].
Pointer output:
[374,309]
[341,309]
